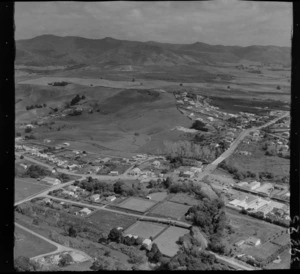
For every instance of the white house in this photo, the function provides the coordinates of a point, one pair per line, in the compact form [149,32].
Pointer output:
[156,163]
[254,185]
[111,198]
[95,197]
[114,173]
[51,180]
[135,171]
[253,241]
[85,211]
[147,243]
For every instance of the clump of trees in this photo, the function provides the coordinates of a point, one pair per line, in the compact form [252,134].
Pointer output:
[198,125]
[28,130]
[35,106]
[76,99]
[23,264]
[236,172]
[35,171]
[58,84]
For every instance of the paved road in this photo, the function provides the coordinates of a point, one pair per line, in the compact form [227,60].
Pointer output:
[60,248]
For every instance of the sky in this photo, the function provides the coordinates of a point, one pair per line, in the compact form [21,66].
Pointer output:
[216,22]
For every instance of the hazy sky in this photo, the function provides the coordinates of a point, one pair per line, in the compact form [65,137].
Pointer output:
[227,22]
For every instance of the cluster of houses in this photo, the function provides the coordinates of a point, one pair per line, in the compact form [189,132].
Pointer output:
[251,241]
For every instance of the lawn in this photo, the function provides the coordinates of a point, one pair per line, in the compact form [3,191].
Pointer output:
[245,226]
[145,230]
[172,210]
[262,251]
[166,242]
[108,220]
[29,245]
[136,204]
[25,187]
[281,239]
[158,196]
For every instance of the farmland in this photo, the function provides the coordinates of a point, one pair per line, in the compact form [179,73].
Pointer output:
[136,204]
[166,241]
[25,187]
[108,220]
[145,229]
[29,245]
[169,209]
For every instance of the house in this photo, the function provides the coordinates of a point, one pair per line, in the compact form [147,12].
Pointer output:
[254,185]
[135,171]
[47,201]
[24,166]
[253,241]
[239,243]
[95,197]
[73,188]
[71,167]
[52,181]
[85,211]
[156,163]
[187,174]
[66,144]
[120,228]
[147,243]
[111,198]
[114,173]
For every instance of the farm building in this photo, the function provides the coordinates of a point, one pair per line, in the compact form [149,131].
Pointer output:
[187,174]
[239,243]
[265,209]
[253,241]
[24,166]
[242,184]
[47,201]
[51,180]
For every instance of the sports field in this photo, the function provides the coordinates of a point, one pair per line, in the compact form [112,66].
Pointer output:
[108,220]
[29,245]
[25,187]
[145,230]
[136,204]
[172,210]
[166,242]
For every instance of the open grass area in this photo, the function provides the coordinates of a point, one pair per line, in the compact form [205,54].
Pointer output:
[25,187]
[169,209]
[158,196]
[29,245]
[166,241]
[262,251]
[285,261]
[245,227]
[108,220]
[137,204]
[145,230]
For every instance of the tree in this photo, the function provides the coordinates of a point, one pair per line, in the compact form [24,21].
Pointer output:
[21,157]
[133,80]
[65,260]
[72,232]
[28,130]
[118,187]
[154,254]
[278,87]
[198,125]
[115,235]
[23,263]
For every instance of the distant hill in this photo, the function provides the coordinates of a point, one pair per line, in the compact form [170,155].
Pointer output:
[48,50]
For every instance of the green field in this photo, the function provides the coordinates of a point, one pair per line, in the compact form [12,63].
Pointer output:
[183,198]
[145,230]
[284,263]
[25,187]
[169,209]
[106,220]
[137,204]
[29,245]
[166,241]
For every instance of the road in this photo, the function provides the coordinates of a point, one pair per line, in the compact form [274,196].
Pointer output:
[60,248]
[212,166]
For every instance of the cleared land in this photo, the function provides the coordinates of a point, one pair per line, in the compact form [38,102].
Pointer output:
[285,261]
[25,187]
[136,204]
[145,229]
[262,252]
[108,220]
[166,242]
[158,196]
[245,227]
[29,245]
[172,210]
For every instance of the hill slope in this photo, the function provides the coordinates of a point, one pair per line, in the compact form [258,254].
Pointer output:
[54,50]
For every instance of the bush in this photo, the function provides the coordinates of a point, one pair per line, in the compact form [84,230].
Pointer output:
[23,263]
[28,130]
[66,259]
[198,125]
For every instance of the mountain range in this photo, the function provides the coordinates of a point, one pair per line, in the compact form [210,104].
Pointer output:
[47,50]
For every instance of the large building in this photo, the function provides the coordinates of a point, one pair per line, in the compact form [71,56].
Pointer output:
[52,181]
